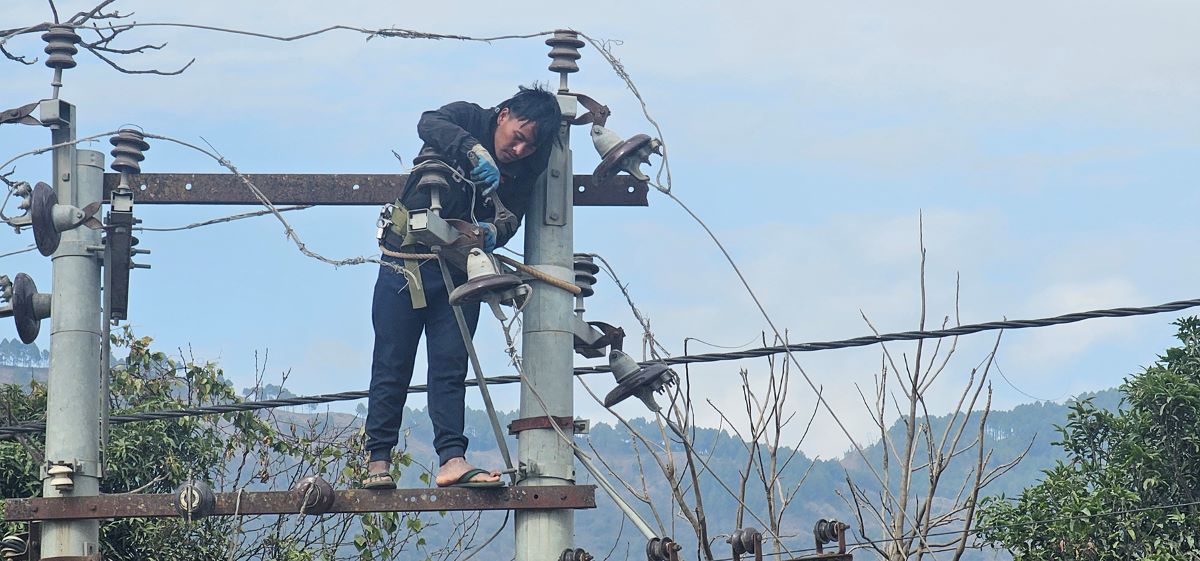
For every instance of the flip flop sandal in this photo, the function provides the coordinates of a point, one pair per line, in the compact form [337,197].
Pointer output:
[464,480]
[379,480]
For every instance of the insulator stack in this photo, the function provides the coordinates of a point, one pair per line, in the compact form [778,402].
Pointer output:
[745,540]
[585,274]
[13,547]
[128,148]
[60,45]
[433,176]
[564,49]
[577,554]
[827,531]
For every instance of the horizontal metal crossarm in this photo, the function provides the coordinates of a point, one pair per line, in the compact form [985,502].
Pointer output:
[329,189]
[286,502]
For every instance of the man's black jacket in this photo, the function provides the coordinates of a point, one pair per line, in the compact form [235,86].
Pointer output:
[452,131]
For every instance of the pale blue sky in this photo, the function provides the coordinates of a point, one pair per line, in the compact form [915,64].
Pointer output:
[1052,147]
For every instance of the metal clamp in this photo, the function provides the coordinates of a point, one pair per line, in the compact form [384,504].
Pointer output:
[828,531]
[552,470]
[578,426]
[315,494]
[662,549]
[577,554]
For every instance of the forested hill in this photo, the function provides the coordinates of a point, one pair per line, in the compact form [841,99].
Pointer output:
[821,484]
[1009,433]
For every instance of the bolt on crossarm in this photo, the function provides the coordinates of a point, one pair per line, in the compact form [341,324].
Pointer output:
[548,336]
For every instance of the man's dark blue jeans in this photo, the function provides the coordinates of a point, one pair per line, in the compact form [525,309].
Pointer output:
[398,329]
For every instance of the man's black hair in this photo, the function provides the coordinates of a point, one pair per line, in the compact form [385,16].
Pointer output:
[536,103]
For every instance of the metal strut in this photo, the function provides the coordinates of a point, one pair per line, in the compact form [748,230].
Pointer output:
[482,381]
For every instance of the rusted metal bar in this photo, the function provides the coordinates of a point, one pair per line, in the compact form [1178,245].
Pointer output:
[329,189]
[284,502]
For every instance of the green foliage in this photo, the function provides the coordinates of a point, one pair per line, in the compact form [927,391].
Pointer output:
[1133,462]
[231,451]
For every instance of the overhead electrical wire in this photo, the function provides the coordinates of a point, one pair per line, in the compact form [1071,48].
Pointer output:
[9,432]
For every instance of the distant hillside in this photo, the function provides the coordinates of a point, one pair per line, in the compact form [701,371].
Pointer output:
[1009,433]
[21,363]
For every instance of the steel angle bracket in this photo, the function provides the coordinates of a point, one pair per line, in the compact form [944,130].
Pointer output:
[118,259]
[286,502]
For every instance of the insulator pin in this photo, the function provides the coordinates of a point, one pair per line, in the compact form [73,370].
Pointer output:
[564,50]
[128,148]
[60,45]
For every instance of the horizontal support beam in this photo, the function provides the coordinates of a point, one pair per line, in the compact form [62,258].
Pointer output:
[328,189]
[285,502]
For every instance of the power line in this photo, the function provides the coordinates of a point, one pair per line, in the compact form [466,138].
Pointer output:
[221,220]
[7,433]
[916,335]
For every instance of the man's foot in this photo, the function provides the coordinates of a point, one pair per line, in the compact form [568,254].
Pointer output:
[456,472]
[379,476]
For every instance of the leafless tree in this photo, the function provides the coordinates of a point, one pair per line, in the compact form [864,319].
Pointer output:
[916,500]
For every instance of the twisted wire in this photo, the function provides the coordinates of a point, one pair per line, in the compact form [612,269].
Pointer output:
[867,340]
[10,432]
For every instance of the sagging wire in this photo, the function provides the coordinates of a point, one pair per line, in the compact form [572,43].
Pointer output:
[677,430]
[289,232]
[42,150]
[604,47]
[221,220]
[763,311]
[488,542]
[579,453]
[19,251]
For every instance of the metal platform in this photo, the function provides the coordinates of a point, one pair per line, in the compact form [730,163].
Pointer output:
[285,502]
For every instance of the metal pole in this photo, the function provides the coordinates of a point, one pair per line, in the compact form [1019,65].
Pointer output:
[548,352]
[72,410]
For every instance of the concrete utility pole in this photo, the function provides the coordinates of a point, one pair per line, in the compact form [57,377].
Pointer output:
[72,411]
[548,336]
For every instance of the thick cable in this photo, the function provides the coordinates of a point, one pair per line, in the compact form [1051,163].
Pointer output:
[539,275]
[9,432]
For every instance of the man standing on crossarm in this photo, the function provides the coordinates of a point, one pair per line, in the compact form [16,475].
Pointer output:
[505,148]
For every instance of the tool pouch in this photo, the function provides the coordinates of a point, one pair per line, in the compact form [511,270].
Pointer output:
[393,223]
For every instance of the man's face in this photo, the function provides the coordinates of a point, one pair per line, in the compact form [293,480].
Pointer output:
[514,137]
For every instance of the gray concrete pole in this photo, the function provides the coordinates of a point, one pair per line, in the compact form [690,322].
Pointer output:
[548,348]
[72,410]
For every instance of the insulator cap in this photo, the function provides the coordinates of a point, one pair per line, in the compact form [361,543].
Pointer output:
[564,50]
[60,45]
[128,146]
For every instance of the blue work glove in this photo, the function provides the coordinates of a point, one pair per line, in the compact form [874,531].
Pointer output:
[489,236]
[485,168]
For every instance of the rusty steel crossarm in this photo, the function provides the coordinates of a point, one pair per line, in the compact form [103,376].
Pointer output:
[284,502]
[329,189]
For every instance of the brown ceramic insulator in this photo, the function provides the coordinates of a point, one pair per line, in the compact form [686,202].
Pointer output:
[60,45]
[564,50]
[128,148]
